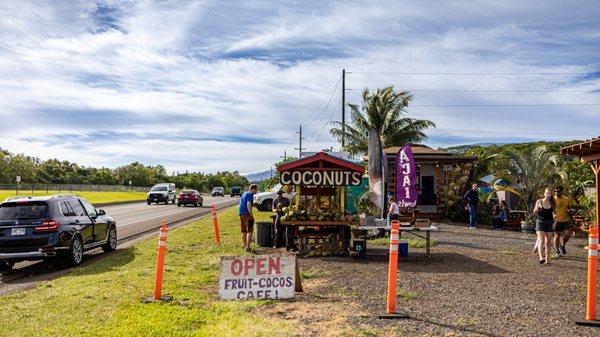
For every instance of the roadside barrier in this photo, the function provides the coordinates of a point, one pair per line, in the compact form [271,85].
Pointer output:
[391,310]
[160,266]
[213,211]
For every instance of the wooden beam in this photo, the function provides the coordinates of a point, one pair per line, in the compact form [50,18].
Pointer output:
[595,167]
[590,157]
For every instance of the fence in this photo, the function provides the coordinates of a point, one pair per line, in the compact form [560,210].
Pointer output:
[24,188]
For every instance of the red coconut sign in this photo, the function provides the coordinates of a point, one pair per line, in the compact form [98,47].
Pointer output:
[406,173]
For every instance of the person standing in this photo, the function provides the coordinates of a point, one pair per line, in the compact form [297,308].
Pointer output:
[246,215]
[472,199]
[393,210]
[562,228]
[278,204]
[544,209]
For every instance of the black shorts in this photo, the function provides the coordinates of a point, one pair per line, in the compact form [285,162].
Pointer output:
[544,226]
[562,226]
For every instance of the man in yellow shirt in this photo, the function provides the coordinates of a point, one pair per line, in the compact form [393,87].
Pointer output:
[562,225]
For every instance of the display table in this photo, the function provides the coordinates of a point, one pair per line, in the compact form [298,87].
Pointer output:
[407,229]
[335,233]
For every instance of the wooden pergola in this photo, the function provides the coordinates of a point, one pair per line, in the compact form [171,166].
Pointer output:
[589,152]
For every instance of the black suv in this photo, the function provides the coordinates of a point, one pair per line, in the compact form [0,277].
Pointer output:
[236,190]
[37,228]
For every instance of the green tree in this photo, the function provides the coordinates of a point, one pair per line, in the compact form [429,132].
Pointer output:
[385,111]
[23,166]
[577,176]
[531,172]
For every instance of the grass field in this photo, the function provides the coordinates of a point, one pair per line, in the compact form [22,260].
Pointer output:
[104,298]
[93,197]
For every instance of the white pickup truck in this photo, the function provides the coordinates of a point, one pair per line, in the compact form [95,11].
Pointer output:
[264,201]
[163,192]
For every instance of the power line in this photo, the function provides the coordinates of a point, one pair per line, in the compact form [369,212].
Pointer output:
[318,130]
[311,138]
[324,126]
[498,91]
[471,74]
[518,132]
[314,114]
[510,105]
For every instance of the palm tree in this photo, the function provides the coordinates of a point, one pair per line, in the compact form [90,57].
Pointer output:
[531,172]
[385,111]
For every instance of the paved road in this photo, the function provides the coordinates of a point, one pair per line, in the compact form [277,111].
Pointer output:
[133,219]
[139,218]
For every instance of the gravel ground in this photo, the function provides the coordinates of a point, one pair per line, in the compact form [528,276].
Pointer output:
[479,283]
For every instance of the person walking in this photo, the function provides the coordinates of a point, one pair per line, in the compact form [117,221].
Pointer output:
[544,209]
[472,199]
[562,227]
[278,204]
[246,215]
[393,210]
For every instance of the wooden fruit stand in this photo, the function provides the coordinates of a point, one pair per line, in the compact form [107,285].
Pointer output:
[317,212]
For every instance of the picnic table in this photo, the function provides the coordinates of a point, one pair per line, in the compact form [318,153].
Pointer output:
[406,227]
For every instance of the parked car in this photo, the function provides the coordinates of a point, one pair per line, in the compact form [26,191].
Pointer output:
[236,191]
[189,197]
[163,192]
[264,201]
[38,228]
[218,191]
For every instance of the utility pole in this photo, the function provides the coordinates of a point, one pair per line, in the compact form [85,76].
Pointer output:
[284,155]
[300,141]
[343,107]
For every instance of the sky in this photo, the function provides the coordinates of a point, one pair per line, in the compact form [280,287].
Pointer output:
[212,86]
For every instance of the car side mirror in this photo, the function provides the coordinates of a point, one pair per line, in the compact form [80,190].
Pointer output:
[101,212]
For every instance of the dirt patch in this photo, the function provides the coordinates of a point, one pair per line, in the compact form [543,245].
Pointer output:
[478,283]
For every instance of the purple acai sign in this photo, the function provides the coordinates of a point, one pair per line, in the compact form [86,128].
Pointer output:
[406,173]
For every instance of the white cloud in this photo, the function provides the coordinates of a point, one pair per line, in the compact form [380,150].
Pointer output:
[220,70]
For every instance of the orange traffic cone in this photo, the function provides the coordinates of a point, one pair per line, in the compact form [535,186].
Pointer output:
[592,279]
[391,310]
[213,211]
[160,267]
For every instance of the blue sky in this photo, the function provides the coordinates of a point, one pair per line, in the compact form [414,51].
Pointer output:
[212,85]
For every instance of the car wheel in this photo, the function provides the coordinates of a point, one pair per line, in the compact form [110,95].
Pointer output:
[267,205]
[75,251]
[173,201]
[178,204]
[200,203]
[111,244]
[148,202]
[6,265]
[196,204]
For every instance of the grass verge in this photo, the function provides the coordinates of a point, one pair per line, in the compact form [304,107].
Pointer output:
[412,243]
[407,295]
[104,298]
[93,197]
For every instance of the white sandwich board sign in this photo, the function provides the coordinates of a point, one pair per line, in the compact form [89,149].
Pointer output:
[257,277]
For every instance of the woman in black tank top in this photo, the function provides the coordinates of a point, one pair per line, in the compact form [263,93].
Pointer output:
[544,209]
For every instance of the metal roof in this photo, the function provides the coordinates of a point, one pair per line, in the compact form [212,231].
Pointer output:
[324,157]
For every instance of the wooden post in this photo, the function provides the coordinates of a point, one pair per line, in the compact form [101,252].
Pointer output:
[596,168]
[592,273]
